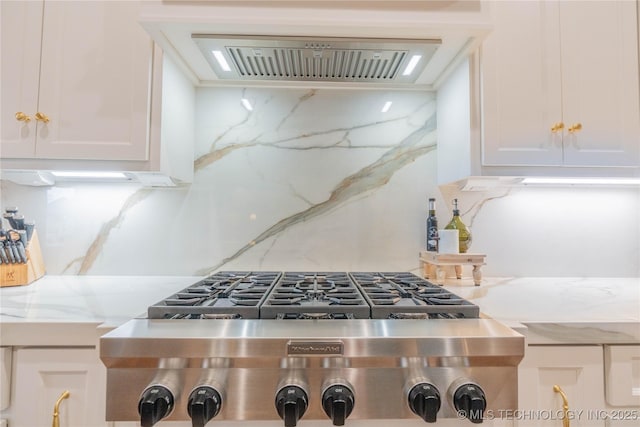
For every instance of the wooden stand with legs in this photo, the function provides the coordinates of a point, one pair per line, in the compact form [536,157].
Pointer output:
[433,265]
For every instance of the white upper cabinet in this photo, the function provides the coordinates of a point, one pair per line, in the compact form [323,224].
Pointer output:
[80,74]
[560,85]
[85,88]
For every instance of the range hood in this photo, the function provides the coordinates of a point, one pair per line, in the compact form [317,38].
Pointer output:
[256,58]
[317,44]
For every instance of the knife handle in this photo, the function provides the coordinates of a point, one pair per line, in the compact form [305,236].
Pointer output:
[3,254]
[16,253]
[18,220]
[9,217]
[21,252]
[9,251]
[23,237]
[29,226]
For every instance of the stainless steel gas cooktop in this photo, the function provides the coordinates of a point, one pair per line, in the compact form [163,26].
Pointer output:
[313,295]
[364,345]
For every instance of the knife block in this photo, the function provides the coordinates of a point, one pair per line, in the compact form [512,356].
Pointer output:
[23,274]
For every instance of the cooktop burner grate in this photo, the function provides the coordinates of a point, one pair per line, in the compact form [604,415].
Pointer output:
[406,296]
[223,295]
[314,295]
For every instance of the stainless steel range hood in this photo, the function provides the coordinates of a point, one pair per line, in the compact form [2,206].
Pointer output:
[316,58]
[344,44]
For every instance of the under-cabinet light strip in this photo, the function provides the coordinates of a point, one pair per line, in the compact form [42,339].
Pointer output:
[582,181]
[89,174]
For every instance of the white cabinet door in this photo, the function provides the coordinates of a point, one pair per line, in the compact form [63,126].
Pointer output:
[577,370]
[521,86]
[622,384]
[41,377]
[600,83]
[91,79]
[552,65]
[20,56]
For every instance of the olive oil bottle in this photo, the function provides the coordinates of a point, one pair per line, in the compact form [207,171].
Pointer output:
[432,227]
[464,235]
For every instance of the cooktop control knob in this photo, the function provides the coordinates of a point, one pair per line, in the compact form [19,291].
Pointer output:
[155,404]
[337,402]
[470,402]
[291,403]
[424,401]
[204,403]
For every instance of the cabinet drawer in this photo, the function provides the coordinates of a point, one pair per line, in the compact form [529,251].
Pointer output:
[622,375]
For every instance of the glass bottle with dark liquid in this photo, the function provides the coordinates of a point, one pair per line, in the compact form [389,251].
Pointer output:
[432,227]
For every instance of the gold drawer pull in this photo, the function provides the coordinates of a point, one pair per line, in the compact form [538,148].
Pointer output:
[56,408]
[557,127]
[41,117]
[575,128]
[22,117]
[565,405]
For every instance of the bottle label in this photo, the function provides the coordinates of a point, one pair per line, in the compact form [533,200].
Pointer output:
[432,238]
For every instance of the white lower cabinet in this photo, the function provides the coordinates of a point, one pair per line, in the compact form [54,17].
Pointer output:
[622,384]
[546,372]
[41,378]
[5,377]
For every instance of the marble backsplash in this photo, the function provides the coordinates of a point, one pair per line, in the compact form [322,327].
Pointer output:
[321,180]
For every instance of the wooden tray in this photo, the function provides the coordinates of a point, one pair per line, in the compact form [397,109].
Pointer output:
[433,265]
[23,274]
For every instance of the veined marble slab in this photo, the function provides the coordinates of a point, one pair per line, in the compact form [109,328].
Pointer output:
[101,299]
[561,310]
[308,179]
[545,310]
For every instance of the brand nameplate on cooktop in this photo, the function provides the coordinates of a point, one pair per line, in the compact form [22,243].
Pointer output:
[315,347]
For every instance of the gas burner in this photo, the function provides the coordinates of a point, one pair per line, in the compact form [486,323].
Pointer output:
[220,295]
[405,295]
[314,295]
[315,284]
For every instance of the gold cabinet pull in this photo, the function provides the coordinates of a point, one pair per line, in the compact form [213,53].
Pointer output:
[575,128]
[565,405]
[56,408]
[22,117]
[557,127]
[41,117]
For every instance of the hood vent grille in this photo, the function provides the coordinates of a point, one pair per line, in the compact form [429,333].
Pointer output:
[310,64]
[311,59]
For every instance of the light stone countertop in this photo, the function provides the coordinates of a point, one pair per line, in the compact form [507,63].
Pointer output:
[560,310]
[76,310]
